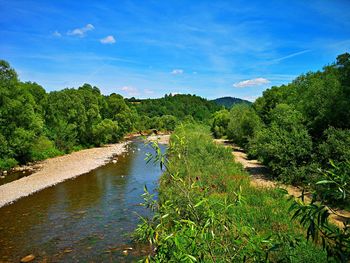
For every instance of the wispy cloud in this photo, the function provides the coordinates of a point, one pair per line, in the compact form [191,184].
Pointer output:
[81,32]
[291,55]
[177,71]
[56,34]
[251,82]
[250,98]
[130,91]
[148,91]
[108,40]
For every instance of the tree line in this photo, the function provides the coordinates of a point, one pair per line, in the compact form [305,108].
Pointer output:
[301,131]
[35,124]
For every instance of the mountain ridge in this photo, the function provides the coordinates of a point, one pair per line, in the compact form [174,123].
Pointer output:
[228,101]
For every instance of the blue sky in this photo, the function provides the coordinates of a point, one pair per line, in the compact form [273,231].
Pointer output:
[149,48]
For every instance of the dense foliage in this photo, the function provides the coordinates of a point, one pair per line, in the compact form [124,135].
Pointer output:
[220,123]
[297,129]
[35,125]
[243,124]
[208,212]
[180,106]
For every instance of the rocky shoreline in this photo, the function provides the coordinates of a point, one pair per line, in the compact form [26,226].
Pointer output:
[56,170]
[161,139]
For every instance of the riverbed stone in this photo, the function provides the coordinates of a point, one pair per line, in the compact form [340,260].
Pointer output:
[27,258]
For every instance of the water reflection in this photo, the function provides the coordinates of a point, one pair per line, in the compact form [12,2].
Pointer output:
[86,218]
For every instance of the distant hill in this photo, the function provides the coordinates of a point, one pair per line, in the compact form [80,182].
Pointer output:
[179,105]
[228,102]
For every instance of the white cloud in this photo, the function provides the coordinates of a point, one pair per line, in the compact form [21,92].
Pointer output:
[108,40]
[177,71]
[251,82]
[80,32]
[130,91]
[56,34]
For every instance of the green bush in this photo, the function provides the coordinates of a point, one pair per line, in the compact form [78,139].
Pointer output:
[219,123]
[285,146]
[243,124]
[333,184]
[285,152]
[335,146]
[106,131]
[208,212]
[7,163]
[43,148]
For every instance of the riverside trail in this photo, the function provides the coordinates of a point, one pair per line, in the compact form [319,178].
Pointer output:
[259,175]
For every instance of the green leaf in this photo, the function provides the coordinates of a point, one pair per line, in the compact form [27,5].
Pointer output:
[325,182]
[192,258]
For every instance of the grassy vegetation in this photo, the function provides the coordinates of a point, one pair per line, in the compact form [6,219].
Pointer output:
[208,212]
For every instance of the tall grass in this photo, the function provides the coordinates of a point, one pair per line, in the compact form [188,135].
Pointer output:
[208,212]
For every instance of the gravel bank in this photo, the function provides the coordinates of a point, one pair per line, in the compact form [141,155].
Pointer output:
[59,169]
[161,139]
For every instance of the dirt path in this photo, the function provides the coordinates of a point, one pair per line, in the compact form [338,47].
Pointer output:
[259,178]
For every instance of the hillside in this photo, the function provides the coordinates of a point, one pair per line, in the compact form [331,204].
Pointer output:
[228,102]
[179,105]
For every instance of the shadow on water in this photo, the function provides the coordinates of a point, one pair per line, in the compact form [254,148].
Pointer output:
[88,218]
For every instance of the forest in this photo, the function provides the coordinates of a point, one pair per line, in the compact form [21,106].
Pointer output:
[35,124]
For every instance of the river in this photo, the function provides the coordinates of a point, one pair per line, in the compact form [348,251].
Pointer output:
[85,219]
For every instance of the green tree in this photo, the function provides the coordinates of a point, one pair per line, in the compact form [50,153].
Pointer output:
[285,146]
[105,132]
[220,123]
[243,124]
[20,123]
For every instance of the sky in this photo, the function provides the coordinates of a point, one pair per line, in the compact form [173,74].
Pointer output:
[146,49]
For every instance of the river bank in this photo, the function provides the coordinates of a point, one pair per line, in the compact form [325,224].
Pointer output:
[59,169]
[90,218]
[161,139]
[259,175]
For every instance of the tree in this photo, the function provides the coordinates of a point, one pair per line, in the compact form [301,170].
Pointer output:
[106,131]
[243,124]
[20,123]
[220,123]
[285,145]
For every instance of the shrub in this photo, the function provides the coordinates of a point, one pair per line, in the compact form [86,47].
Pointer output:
[7,163]
[333,184]
[43,148]
[105,132]
[208,212]
[220,122]
[285,146]
[243,124]
[336,146]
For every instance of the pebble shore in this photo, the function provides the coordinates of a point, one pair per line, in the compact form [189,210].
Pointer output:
[59,169]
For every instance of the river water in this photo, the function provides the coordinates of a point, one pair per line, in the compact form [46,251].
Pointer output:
[85,219]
